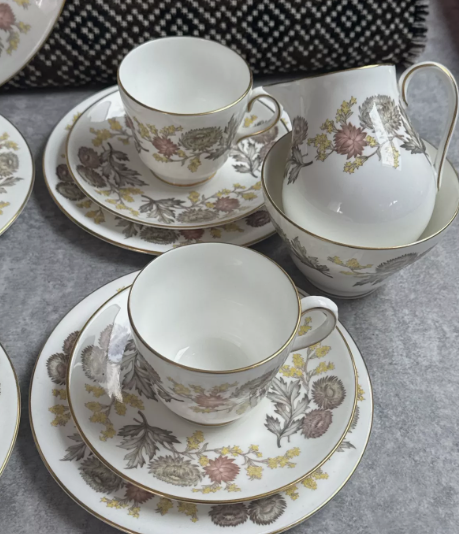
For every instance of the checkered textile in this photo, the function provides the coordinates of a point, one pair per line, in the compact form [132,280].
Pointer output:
[275,36]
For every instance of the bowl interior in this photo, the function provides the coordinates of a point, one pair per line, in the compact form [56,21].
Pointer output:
[446,203]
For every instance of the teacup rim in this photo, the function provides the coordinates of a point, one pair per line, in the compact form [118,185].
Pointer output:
[211,371]
[123,89]
[358,247]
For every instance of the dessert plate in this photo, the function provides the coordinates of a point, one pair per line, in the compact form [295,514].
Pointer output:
[126,234]
[16,173]
[24,27]
[130,509]
[10,408]
[292,432]
[102,156]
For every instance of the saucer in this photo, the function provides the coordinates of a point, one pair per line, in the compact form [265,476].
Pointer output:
[127,508]
[117,231]
[16,173]
[26,25]
[10,408]
[292,432]
[102,155]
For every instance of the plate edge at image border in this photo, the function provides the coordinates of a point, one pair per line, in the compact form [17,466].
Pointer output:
[18,415]
[21,208]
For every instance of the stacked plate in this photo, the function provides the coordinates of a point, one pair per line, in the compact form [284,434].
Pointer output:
[93,172]
[136,465]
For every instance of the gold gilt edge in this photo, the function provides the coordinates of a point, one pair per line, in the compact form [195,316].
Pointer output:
[144,221]
[184,499]
[18,415]
[32,181]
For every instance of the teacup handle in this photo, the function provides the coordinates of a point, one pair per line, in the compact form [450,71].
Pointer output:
[245,132]
[319,333]
[453,100]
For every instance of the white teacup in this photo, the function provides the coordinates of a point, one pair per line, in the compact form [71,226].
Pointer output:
[216,322]
[185,99]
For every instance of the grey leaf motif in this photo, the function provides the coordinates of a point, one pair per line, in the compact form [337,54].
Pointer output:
[310,261]
[161,209]
[273,425]
[142,439]
[130,228]
[75,452]
[344,445]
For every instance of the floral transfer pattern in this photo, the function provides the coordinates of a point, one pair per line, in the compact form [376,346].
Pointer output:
[381,122]
[293,398]
[107,169]
[296,160]
[120,495]
[382,271]
[173,145]
[9,165]
[11,27]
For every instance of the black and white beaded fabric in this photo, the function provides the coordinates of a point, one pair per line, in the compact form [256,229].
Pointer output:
[275,36]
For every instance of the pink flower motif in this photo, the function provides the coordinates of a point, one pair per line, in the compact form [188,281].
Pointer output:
[222,469]
[227,204]
[7,18]
[209,401]
[350,141]
[189,235]
[165,146]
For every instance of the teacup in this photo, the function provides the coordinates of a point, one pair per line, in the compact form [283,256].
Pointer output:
[185,99]
[339,269]
[216,322]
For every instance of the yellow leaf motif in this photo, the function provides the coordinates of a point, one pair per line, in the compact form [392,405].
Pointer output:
[216,233]
[360,393]
[298,361]
[291,453]
[203,460]
[84,203]
[232,487]
[189,509]
[133,400]
[286,370]
[210,205]
[371,141]
[249,196]
[158,157]
[328,126]
[100,136]
[272,463]
[253,448]
[72,122]
[257,186]
[3,205]
[309,483]
[194,196]
[120,408]
[134,511]
[319,475]
[195,440]
[22,3]
[322,351]
[242,408]
[164,505]
[248,121]
[194,164]
[254,472]
[114,503]
[236,451]
[62,414]
[238,186]
[61,393]
[143,130]
[232,227]
[13,41]
[396,154]
[23,28]
[292,492]
[323,367]
[304,328]
[337,260]
[115,125]
[97,391]
[181,153]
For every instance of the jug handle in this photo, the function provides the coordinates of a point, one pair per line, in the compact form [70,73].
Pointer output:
[451,86]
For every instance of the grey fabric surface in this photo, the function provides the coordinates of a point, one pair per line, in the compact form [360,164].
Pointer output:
[408,333]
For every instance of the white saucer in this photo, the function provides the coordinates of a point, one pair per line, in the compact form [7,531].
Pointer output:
[125,507]
[10,408]
[16,173]
[102,158]
[117,231]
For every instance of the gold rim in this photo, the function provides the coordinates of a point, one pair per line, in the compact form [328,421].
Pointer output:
[45,37]
[138,221]
[451,126]
[32,181]
[246,92]
[184,185]
[184,499]
[277,116]
[18,416]
[282,214]
[207,371]
[129,531]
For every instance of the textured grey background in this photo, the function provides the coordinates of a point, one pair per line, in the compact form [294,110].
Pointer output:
[408,332]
